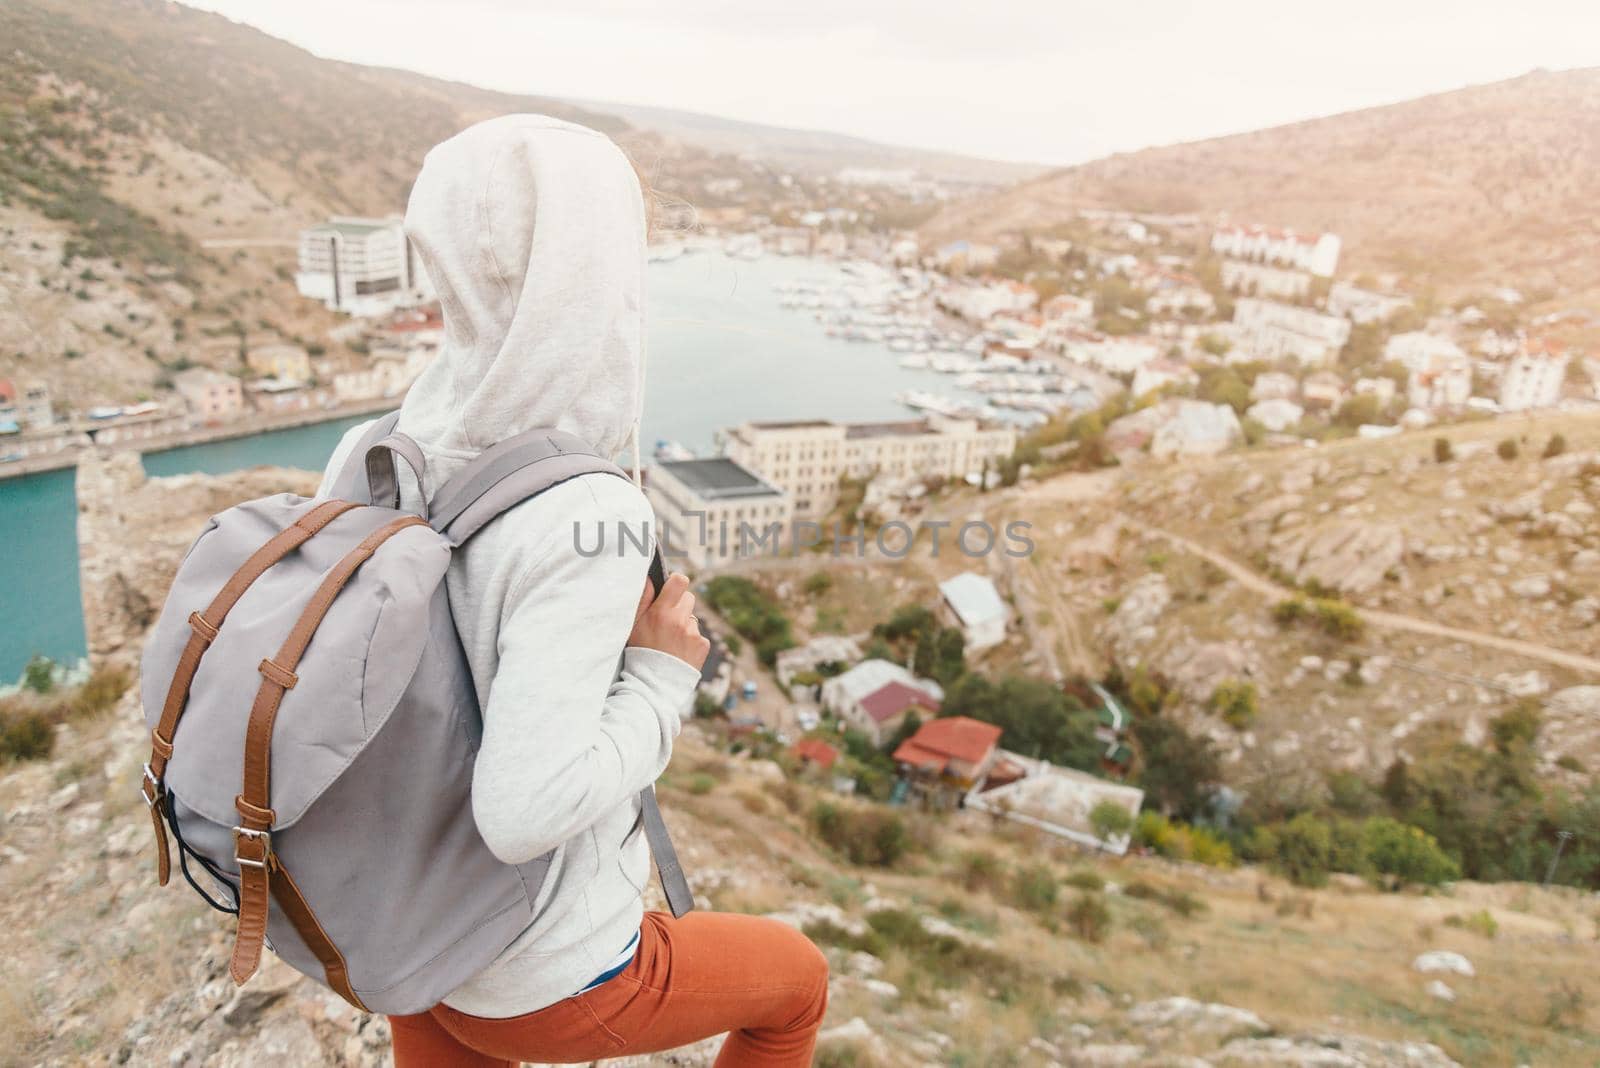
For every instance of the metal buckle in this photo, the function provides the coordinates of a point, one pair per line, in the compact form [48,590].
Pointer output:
[264,837]
[151,788]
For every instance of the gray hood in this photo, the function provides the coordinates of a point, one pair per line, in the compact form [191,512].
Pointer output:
[532,231]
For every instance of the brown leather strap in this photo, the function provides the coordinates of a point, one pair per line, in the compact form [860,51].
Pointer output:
[252,838]
[293,904]
[204,627]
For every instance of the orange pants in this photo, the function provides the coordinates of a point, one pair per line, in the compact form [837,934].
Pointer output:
[707,973]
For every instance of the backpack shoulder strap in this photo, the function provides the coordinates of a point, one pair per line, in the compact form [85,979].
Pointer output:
[507,474]
[351,482]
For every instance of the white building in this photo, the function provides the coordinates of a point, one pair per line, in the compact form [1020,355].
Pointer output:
[959,256]
[978,302]
[365,267]
[1274,385]
[1534,377]
[976,607]
[1114,355]
[1317,253]
[710,512]
[807,458]
[1414,348]
[1158,373]
[1363,305]
[850,695]
[1440,381]
[1265,280]
[1267,330]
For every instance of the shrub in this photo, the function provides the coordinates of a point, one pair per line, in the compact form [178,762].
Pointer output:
[867,836]
[1338,620]
[1507,449]
[1034,887]
[1480,922]
[1089,917]
[702,784]
[1181,842]
[978,870]
[818,583]
[1305,850]
[1084,879]
[26,735]
[39,675]
[1109,819]
[1182,902]
[100,691]
[1443,452]
[1406,854]
[1555,446]
[1236,702]
[1291,610]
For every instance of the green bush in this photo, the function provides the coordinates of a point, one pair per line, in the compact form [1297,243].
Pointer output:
[1085,879]
[26,735]
[1507,449]
[867,836]
[1109,819]
[1305,850]
[1443,451]
[1338,620]
[702,784]
[1480,922]
[1034,887]
[1555,446]
[39,675]
[980,871]
[753,613]
[1236,702]
[1291,610]
[818,583]
[1089,918]
[1406,854]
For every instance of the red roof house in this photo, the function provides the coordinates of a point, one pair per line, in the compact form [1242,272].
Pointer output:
[957,747]
[815,751]
[889,702]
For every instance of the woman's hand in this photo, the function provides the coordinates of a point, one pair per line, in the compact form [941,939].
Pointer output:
[668,624]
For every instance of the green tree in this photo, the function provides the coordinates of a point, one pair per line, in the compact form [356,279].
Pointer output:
[1305,850]
[1176,768]
[1109,820]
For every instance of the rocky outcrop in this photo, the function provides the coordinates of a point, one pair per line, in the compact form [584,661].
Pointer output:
[1344,555]
[133,530]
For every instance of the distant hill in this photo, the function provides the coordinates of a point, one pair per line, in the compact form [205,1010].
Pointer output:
[1491,184]
[813,151]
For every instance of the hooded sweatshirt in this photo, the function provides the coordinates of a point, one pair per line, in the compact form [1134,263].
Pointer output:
[532,231]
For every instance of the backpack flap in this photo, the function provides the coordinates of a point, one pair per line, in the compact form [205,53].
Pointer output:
[354,671]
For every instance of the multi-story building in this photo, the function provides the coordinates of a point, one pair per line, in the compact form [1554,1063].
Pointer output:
[807,458]
[1267,330]
[364,267]
[1317,253]
[1534,377]
[709,512]
[1363,305]
[1265,280]
[977,302]
[1440,373]
[211,395]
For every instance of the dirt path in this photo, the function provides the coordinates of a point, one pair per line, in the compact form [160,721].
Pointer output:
[1250,580]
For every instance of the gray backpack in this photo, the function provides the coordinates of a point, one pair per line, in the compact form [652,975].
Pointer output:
[314,725]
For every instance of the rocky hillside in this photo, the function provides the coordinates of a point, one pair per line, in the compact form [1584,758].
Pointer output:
[1490,185]
[1375,595]
[157,164]
[982,943]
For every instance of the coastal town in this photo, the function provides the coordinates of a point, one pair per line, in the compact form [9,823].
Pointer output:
[1204,335]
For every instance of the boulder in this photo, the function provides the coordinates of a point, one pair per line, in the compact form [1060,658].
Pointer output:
[1443,960]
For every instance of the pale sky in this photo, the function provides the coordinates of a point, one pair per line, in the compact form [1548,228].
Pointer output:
[1053,81]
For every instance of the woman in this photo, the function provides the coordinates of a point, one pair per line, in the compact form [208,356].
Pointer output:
[533,233]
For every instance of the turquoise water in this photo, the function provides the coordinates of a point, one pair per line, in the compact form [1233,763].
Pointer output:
[39,571]
[720,351]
